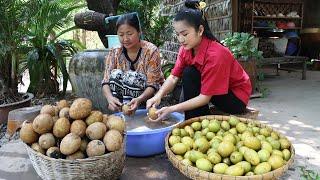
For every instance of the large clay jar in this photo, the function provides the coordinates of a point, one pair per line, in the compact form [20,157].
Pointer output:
[86,72]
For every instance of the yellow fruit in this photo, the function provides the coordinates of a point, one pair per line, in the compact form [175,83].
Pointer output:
[220,168]
[214,127]
[176,132]
[202,145]
[264,155]
[187,155]
[210,135]
[284,143]
[265,132]
[179,148]
[195,155]
[205,131]
[225,125]
[214,158]
[204,165]
[274,135]
[231,138]
[252,143]
[183,133]
[286,154]
[189,130]
[187,141]
[174,140]
[277,152]
[225,148]
[241,127]
[275,161]
[246,134]
[262,168]
[245,165]
[267,146]
[234,170]
[243,149]
[252,157]
[205,123]
[197,135]
[233,121]
[275,144]
[236,157]
[196,126]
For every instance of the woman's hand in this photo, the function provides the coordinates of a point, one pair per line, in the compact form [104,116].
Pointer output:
[163,113]
[114,104]
[153,102]
[134,104]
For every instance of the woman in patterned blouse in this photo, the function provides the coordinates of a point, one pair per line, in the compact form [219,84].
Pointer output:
[133,71]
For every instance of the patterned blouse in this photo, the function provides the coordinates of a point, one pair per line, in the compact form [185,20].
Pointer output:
[132,78]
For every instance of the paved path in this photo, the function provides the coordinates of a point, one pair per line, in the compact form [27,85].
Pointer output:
[292,107]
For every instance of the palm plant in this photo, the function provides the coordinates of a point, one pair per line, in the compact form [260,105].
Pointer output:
[48,54]
[14,15]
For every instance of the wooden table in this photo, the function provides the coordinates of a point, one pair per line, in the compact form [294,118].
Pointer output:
[278,61]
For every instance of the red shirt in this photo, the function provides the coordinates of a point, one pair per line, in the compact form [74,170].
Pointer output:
[220,71]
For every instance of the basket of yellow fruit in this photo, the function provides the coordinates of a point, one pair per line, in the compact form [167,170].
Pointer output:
[228,147]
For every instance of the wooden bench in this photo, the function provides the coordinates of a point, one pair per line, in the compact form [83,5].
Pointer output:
[278,61]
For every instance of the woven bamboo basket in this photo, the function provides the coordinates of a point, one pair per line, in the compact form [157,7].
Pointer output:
[195,173]
[107,166]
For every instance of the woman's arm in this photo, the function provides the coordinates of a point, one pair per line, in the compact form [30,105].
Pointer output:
[166,88]
[135,102]
[113,103]
[193,103]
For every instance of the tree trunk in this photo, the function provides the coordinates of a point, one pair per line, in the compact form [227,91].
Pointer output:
[108,7]
[84,37]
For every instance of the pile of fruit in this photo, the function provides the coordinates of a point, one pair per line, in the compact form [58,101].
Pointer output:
[73,132]
[230,147]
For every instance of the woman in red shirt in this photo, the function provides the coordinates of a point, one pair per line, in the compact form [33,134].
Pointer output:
[208,70]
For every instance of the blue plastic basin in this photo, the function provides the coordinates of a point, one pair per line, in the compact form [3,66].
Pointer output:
[148,142]
[113,41]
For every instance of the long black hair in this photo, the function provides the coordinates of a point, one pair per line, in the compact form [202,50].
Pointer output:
[195,17]
[131,19]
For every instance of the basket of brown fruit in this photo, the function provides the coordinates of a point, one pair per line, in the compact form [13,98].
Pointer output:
[75,142]
[228,147]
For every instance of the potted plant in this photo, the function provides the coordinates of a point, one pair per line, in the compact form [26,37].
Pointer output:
[14,15]
[27,42]
[244,48]
[47,54]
